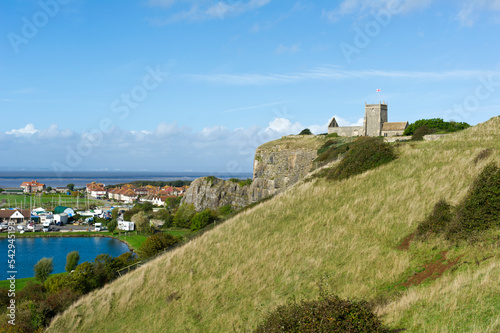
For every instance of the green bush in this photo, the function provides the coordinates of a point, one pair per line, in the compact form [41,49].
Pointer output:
[104,269]
[480,208]
[155,244]
[56,283]
[438,221]
[305,131]
[142,222]
[437,124]
[82,279]
[72,260]
[328,314]
[420,132]
[43,268]
[332,135]
[202,219]
[225,210]
[183,216]
[364,153]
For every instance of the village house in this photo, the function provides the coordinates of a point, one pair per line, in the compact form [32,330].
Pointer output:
[96,190]
[32,186]
[15,215]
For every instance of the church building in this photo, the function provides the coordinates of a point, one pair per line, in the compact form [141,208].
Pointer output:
[374,124]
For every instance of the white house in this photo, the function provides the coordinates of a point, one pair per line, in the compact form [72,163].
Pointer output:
[126,225]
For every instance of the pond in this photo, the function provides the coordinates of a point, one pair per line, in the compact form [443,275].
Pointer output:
[30,250]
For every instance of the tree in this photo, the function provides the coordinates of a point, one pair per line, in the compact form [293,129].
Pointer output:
[104,269]
[43,268]
[202,219]
[112,225]
[114,213]
[83,279]
[156,243]
[183,216]
[71,186]
[48,188]
[141,221]
[306,131]
[72,260]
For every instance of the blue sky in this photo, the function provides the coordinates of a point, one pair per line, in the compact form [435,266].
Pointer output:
[175,85]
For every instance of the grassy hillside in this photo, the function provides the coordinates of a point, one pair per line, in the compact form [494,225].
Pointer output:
[343,235]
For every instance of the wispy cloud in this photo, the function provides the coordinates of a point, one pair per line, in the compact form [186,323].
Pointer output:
[288,49]
[199,10]
[253,107]
[470,11]
[331,73]
[348,7]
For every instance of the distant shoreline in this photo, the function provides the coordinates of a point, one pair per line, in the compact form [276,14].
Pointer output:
[81,178]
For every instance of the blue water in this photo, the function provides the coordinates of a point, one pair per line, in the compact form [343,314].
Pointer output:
[81,178]
[30,250]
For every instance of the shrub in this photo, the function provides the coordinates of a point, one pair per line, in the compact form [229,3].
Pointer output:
[112,225]
[142,222]
[56,283]
[43,268]
[328,314]
[32,291]
[305,131]
[156,243]
[183,216]
[437,124]
[481,206]
[165,216]
[124,260]
[72,260]
[202,219]
[225,210]
[420,132]
[59,301]
[82,279]
[246,182]
[332,135]
[365,153]
[438,221]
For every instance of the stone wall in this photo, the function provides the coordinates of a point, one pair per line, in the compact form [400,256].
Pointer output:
[347,130]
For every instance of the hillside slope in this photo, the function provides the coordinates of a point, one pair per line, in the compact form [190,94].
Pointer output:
[343,235]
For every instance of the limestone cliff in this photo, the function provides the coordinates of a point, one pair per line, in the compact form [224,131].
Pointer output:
[211,192]
[278,165]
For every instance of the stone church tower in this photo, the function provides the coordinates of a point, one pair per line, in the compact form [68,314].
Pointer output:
[374,124]
[375,117]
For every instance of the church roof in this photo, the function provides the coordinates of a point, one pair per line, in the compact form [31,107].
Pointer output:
[397,126]
[333,123]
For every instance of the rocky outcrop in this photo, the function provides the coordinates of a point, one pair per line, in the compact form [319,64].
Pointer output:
[211,192]
[278,165]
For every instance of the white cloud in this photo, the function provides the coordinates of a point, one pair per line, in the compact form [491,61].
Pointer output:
[332,73]
[284,126]
[470,11]
[348,7]
[28,130]
[199,10]
[288,49]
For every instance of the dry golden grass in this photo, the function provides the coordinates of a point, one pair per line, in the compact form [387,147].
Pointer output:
[342,234]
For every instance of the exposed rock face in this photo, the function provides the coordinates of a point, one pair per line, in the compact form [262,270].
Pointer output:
[278,165]
[210,192]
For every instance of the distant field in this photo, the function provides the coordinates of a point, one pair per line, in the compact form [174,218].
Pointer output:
[23,201]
